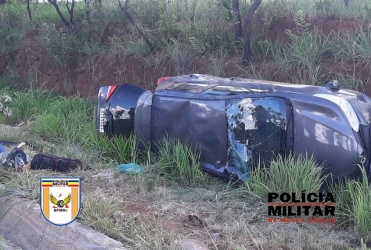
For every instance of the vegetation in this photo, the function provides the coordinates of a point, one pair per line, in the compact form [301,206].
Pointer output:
[67,123]
[179,163]
[353,201]
[287,175]
[171,37]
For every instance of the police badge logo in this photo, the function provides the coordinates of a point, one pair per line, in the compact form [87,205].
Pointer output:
[60,199]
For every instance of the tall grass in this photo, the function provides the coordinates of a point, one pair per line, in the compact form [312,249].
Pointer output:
[286,175]
[179,162]
[301,59]
[354,46]
[126,149]
[353,205]
[27,104]
[217,64]
[65,119]
[295,175]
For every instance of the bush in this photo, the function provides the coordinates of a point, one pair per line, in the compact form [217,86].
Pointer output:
[9,41]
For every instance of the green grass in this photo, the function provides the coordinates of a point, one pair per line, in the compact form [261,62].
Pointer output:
[179,163]
[10,40]
[66,119]
[353,202]
[353,46]
[55,118]
[301,58]
[289,175]
[125,150]
[30,103]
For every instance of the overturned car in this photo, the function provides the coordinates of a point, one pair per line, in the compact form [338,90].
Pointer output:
[237,123]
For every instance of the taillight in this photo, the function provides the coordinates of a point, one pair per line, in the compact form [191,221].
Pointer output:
[160,80]
[111,89]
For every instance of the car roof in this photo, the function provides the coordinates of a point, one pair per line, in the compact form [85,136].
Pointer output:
[206,84]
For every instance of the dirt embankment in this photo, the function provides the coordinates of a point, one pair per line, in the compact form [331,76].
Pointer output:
[84,75]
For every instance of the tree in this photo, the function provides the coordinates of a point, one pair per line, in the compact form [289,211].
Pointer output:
[70,11]
[91,4]
[131,19]
[248,18]
[92,7]
[28,10]
[248,27]
[346,3]
[235,7]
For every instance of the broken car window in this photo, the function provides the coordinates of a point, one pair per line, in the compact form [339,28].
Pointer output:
[256,130]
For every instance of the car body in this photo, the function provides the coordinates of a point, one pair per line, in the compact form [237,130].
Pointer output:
[237,123]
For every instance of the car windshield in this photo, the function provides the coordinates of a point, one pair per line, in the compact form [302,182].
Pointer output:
[256,130]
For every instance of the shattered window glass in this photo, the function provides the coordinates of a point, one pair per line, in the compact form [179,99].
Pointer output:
[192,87]
[226,90]
[256,130]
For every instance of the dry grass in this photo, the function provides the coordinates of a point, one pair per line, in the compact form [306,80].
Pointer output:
[146,212]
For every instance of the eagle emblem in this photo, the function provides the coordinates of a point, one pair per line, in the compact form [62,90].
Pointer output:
[60,203]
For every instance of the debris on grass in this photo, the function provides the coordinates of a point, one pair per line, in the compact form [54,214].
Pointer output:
[130,168]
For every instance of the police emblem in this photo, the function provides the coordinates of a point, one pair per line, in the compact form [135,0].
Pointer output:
[60,199]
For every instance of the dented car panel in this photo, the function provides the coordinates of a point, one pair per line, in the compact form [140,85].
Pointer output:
[197,122]
[237,123]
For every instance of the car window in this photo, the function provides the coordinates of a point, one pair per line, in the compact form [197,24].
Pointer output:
[226,90]
[256,129]
[191,87]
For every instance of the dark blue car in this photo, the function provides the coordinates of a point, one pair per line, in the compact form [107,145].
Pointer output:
[237,122]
